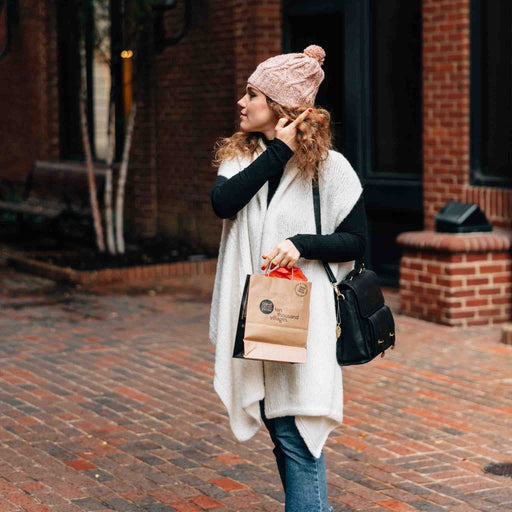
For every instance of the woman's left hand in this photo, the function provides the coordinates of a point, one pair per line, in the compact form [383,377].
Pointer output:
[283,255]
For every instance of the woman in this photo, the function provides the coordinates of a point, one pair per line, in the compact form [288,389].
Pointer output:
[263,193]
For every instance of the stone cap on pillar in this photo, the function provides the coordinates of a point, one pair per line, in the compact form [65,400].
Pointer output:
[496,241]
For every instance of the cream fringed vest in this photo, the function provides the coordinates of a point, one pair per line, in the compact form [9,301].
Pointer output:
[312,392]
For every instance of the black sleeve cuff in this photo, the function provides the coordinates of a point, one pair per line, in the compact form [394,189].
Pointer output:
[296,240]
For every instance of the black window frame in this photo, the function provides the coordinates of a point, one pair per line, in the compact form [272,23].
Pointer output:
[477,176]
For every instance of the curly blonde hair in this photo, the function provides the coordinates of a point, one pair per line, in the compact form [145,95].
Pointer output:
[313,135]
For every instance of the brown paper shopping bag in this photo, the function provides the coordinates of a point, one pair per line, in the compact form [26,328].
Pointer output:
[273,320]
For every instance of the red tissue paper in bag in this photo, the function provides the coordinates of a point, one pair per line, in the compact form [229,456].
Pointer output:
[286,273]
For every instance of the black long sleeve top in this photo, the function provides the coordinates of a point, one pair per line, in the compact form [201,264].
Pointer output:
[228,196]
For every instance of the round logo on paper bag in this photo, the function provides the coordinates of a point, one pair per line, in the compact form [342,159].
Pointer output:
[301,290]
[266,306]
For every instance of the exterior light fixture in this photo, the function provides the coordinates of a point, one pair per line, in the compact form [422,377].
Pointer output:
[160,7]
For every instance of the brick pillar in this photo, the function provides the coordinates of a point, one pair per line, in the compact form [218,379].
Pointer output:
[143,204]
[29,100]
[49,82]
[141,201]
[446,112]
[445,102]
[457,280]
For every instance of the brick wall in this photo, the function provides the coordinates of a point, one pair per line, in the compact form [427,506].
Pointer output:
[29,93]
[446,107]
[196,85]
[49,83]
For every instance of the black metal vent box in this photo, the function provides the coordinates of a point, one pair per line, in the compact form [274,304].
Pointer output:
[458,217]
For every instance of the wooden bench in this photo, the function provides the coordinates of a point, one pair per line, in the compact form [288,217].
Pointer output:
[52,188]
[56,191]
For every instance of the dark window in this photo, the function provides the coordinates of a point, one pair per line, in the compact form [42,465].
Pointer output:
[101,35]
[491,92]
[69,80]
[396,85]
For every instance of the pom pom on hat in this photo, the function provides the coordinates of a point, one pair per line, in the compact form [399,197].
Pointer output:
[315,52]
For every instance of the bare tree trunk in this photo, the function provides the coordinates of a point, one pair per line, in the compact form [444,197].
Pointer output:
[98,228]
[109,219]
[121,182]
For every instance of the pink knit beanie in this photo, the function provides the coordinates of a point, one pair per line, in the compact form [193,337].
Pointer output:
[291,79]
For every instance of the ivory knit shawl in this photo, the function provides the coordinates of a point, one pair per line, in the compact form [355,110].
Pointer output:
[312,392]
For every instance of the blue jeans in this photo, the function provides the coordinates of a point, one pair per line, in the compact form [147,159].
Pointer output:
[302,475]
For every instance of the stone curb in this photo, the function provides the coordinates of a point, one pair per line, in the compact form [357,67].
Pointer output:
[110,275]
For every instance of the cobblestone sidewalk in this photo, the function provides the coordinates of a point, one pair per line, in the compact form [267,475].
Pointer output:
[107,403]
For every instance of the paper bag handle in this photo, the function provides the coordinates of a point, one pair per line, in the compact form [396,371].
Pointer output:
[268,267]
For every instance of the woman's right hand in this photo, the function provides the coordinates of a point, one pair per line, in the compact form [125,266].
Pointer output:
[288,134]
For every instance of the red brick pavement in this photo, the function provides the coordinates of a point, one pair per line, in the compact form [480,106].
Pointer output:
[106,403]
